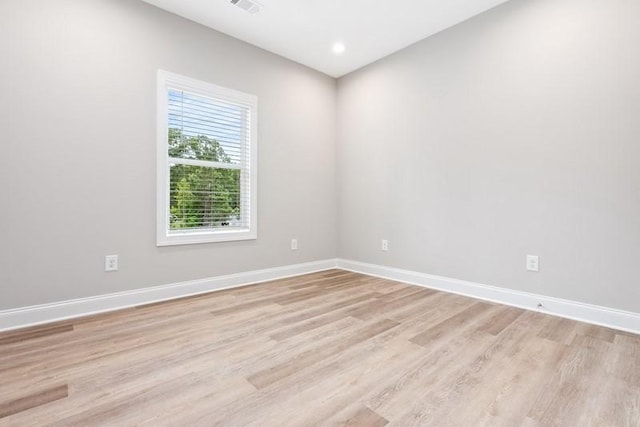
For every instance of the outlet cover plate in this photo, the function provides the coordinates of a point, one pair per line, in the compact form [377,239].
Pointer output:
[533,263]
[111,263]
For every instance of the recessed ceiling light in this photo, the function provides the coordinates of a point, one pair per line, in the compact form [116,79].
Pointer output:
[338,48]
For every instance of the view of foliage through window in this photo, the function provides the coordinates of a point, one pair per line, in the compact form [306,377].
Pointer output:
[201,197]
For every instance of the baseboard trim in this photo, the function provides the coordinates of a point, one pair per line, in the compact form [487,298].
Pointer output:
[64,310]
[46,313]
[594,314]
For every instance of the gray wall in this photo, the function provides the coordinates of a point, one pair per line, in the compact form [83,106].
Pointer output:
[514,133]
[78,109]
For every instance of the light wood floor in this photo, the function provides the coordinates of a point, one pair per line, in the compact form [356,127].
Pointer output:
[331,348]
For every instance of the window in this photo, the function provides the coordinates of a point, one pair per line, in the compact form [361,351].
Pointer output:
[206,162]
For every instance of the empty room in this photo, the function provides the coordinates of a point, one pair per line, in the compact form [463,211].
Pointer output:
[320,213]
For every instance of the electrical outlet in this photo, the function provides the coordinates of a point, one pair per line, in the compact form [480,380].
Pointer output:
[385,245]
[533,263]
[111,263]
[294,244]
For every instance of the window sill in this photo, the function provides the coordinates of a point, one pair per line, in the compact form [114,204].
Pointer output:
[205,237]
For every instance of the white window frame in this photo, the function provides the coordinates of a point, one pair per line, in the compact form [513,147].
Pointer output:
[164,237]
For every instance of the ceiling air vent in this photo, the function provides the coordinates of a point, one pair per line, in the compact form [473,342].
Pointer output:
[250,6]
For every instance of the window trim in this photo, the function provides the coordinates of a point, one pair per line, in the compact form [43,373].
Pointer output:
[165,80]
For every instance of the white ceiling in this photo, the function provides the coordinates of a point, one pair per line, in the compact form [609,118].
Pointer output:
[305,30]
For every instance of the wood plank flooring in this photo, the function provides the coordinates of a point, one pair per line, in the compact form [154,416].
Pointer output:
[330,348]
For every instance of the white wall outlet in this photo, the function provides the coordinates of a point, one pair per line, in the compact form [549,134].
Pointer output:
[385,245]
[111,263]
[294,244]
[533,263]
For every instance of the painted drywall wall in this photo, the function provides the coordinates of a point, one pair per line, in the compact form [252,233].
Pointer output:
[78,108]
[516,132]
[513,133]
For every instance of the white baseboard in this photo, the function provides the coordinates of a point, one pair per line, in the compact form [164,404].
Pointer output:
[46,313]
[597,315]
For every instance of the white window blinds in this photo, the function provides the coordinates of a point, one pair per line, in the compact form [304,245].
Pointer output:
[206,162]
